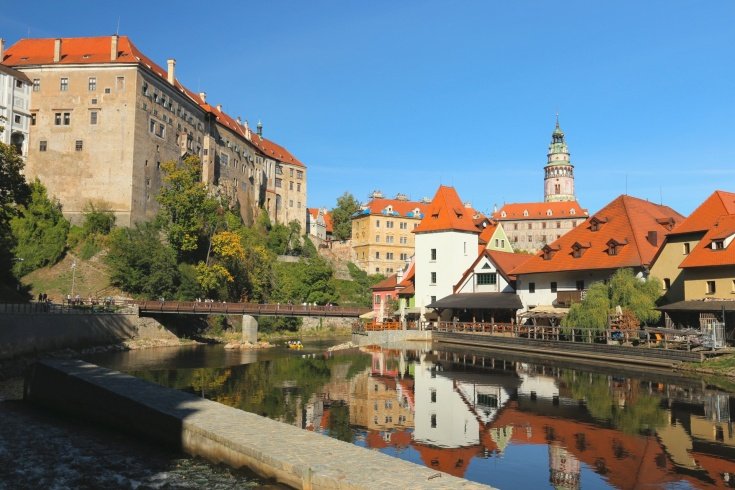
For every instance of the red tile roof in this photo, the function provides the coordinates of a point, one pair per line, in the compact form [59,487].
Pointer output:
[487,232]
[447,213]
[314,212]
[401,207]
[389,282]
[95,50]
[629,221]
[540,210]
[328,222]
[704,255]
[702,218]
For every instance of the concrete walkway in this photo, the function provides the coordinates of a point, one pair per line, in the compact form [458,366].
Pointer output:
[296,457]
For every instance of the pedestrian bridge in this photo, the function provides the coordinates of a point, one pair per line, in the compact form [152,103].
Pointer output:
[252,309]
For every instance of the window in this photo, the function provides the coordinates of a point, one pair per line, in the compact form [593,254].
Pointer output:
[298,187]
[667,284]
[299,174]
[530,238]
[433,421]
[161,131]
[92,84]
[64,84]
[62,118]
[543,225]
[433,254]
[36,84]
[93,117]
[42,145]
[120,83]
[531,287]
[580,285]
[433,278]
[403,225]
[33,119]
[16,118]
[530,226]
[711,288]
[433,299]
[290,203]
[78,145]
[515,226]
[487,278]
[377,223]
[497,242]
[377,255]
[377,238]
[558,224]
[389,255]
[502,243]
[290,186]
[686,248]
[404,240]
[553,286]
[389,224]
[377,299]
[404,256]
[389,239]
[290,172]
[612,249]
[718,245]
[57,119]
[433,396]
[279,182]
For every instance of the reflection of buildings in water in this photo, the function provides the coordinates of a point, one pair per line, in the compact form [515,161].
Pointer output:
[564,468]
[381,403]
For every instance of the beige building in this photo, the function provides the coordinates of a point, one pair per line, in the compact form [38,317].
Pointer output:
[382,237]
[104,117]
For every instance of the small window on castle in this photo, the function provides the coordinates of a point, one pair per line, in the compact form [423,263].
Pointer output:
[78,145]
[64,84]
[92,84]
[93,117]
[36,84]
[42,145]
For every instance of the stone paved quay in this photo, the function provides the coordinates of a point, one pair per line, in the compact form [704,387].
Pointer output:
[200,427]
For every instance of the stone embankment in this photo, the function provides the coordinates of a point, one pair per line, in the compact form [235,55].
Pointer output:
[295,457]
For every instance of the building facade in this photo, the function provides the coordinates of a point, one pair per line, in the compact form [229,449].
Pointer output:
[382,237]
[15,103]
[104,117]
[530,226]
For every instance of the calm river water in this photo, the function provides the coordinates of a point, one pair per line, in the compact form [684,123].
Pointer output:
[500,419]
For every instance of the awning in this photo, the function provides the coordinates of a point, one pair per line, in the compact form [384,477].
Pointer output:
[699,305]
[368,316]
[543,311]
[414,310]
[480,301]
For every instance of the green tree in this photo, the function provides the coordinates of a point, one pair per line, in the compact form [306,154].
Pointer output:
[13,191]
[623,289]
[40,231]
[141,264]
[97,220]
[186,205]
[347,205]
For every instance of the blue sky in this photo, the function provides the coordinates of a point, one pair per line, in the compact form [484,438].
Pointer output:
[404,96]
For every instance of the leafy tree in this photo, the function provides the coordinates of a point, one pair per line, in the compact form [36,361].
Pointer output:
[140,263]
[40,231]
[212,278]
[13,191]
[624,289]
[97,220]
[347,205]
[307,281]
[186,205]
[309,250]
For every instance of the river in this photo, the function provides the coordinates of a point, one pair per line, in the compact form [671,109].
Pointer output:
[499,419]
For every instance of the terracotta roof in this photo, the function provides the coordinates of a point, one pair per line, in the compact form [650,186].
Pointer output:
[328,222]
[314,212]
[389,282]
[540,210]
[406,209]
[407,286]
[504,262]
[487,233]
[632,223]
[95,50]
[704,255]
[702,218]
[447,213]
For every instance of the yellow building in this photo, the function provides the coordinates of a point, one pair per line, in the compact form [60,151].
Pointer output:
[382,237]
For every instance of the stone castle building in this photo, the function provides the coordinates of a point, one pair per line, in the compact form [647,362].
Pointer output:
[104,117]
[530,226]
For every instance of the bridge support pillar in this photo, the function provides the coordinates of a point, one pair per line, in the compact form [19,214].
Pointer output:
[249,329]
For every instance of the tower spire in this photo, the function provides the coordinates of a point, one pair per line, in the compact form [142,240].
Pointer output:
[559,171]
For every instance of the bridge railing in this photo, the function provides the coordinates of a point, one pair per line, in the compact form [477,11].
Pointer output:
[277,309]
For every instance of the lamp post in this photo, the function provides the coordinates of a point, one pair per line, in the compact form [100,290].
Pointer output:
[73,276]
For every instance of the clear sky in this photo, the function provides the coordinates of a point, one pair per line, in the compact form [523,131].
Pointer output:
[404,96]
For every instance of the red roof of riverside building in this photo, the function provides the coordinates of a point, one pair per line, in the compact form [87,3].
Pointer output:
[706,214]
[704,255]
[395,207]
[540,210]
[328,222]
[447,213]
[487,233]
[628,232]
[97,50]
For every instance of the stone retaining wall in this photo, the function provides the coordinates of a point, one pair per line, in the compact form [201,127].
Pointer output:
[200,427]
[391,337]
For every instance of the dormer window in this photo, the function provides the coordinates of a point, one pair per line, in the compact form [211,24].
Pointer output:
[718,244]
[525,212]
[613,246]
[596,223]
[503,214]
[578,249]
[548,251]
[389,209]
[572,211]
[548,212]
[667,223]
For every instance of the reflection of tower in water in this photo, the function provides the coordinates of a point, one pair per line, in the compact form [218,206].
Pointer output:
[564,468]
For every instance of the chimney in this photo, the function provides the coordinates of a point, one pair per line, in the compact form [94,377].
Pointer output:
[170,74]
[57,50]
[239,121]
[260,128]
[203,96]
[219,107]
[653,238]
[468,205]
[113,47]
[2,49]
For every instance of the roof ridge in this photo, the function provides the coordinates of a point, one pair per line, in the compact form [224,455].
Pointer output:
[632,229]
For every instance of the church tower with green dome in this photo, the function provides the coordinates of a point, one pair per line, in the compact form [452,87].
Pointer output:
[559,171]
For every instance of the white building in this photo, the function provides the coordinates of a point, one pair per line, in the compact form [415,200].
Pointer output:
[446,244]
[489,273]
[15,101]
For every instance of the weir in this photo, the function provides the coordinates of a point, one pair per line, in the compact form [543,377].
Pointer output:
[295,457]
